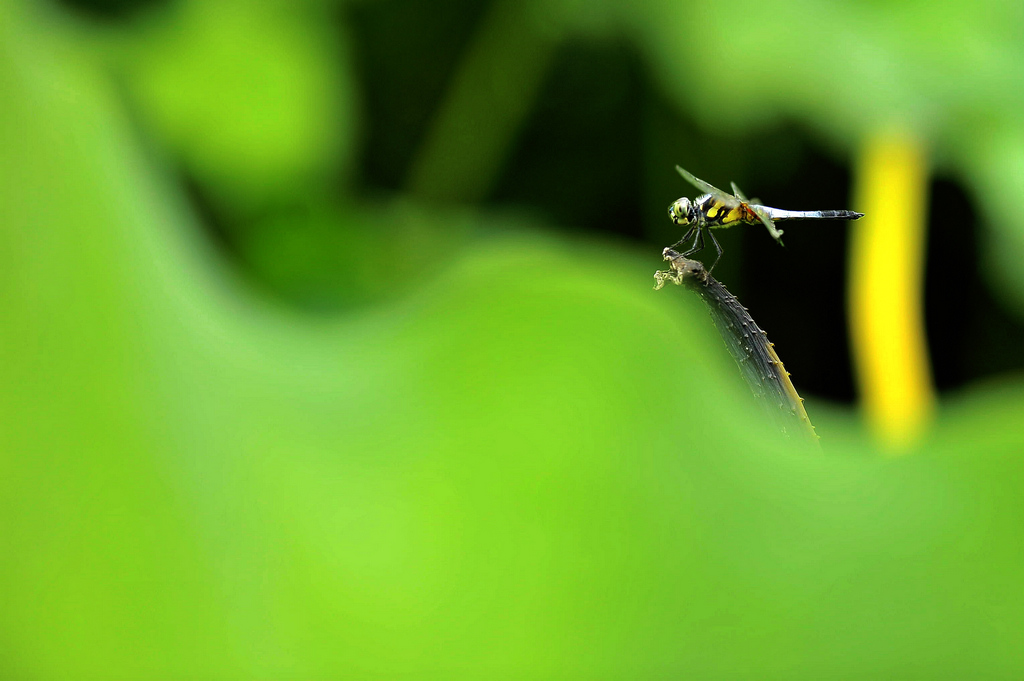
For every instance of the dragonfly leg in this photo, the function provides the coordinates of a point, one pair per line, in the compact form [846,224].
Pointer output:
[698,243]
[686,237]
[718,248]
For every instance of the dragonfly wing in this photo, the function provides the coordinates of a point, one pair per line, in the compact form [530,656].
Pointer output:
[737,192]
[767,221]
[728,200]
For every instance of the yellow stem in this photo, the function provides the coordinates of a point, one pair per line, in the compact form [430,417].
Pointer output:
[886,275]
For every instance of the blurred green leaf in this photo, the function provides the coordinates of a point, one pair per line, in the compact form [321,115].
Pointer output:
[254,96]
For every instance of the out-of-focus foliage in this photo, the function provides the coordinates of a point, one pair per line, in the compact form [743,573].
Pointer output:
[249,95]
[513,460]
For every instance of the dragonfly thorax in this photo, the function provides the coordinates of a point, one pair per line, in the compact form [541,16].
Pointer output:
[682,212]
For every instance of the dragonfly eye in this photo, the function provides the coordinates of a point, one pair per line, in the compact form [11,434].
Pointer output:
[679,211]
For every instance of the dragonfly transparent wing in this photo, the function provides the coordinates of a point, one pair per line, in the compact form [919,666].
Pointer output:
[744,199]
[728,200]
[737,192]
[762,215]
[767,221]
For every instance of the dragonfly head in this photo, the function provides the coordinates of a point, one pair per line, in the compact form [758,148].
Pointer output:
[681,212]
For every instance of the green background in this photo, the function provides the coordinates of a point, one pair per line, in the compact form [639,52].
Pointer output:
[321,356]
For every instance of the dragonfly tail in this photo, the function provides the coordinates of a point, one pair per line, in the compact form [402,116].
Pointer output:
[779,214]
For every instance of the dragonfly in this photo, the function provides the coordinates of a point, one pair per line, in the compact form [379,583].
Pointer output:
[716,209]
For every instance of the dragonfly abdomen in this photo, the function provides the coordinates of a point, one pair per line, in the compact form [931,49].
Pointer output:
[779,214]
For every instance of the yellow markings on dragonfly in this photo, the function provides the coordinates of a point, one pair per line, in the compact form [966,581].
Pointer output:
[886,274]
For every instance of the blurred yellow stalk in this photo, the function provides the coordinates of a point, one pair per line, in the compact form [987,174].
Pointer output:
[885,288]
